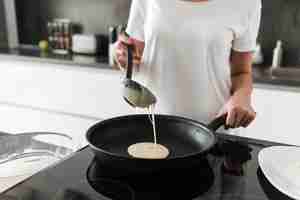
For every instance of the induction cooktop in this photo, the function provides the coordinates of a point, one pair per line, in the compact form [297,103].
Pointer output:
[186,183]
[81,177]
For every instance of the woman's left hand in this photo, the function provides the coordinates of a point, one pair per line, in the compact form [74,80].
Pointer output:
[240,111]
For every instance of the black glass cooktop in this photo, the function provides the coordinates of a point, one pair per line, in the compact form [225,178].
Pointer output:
[161,185]
[81,177]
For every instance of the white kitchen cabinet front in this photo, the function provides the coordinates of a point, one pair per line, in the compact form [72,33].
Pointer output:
[277,116]
[85,91]
[91,94]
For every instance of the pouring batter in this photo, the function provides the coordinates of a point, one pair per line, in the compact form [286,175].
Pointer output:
[149,150]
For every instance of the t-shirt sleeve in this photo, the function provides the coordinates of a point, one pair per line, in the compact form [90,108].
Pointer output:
[136,21]
[247,40]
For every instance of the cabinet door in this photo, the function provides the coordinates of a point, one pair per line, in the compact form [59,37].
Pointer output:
[89,92]
[277,116]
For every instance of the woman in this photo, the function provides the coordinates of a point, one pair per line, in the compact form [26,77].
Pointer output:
[196,55]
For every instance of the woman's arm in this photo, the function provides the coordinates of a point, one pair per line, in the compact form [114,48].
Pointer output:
[240,111]
[241,73]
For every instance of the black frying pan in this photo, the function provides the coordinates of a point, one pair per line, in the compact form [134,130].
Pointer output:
[187,140]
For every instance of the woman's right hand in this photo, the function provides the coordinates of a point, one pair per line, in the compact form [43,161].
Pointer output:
[121,51]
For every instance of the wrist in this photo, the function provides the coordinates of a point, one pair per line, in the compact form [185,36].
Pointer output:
[242,93]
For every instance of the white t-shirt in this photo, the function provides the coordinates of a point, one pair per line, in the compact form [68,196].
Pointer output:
[187,48]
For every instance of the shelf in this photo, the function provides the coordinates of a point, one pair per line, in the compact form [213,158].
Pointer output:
[33,53]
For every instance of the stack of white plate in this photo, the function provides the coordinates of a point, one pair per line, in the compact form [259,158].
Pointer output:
[281,166]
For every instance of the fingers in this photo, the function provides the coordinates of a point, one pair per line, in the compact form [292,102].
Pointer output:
[121,52]
[245,121]
[239,117]
[122,58]
[249,120]
[125,39]
[230,121]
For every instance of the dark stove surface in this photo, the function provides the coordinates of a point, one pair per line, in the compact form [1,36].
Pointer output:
[82,178]
[162,185]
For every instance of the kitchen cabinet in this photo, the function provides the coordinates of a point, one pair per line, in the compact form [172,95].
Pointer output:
[83,91]
[277,115]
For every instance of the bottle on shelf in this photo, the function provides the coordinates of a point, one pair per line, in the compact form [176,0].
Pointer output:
[258,57]
[50,30]
[67,36]
[60,35]
[277,55]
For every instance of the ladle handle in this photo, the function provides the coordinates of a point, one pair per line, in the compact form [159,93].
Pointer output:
[129,61]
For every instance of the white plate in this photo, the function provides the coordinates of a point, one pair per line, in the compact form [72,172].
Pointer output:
[281,166]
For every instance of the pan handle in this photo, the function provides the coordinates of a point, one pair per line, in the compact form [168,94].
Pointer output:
[218,122]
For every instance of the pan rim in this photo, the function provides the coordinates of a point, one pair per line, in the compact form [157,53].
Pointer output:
[195,122]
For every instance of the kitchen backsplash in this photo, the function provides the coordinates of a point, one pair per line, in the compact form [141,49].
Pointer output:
[3,36]
[94,16]
[280,20]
